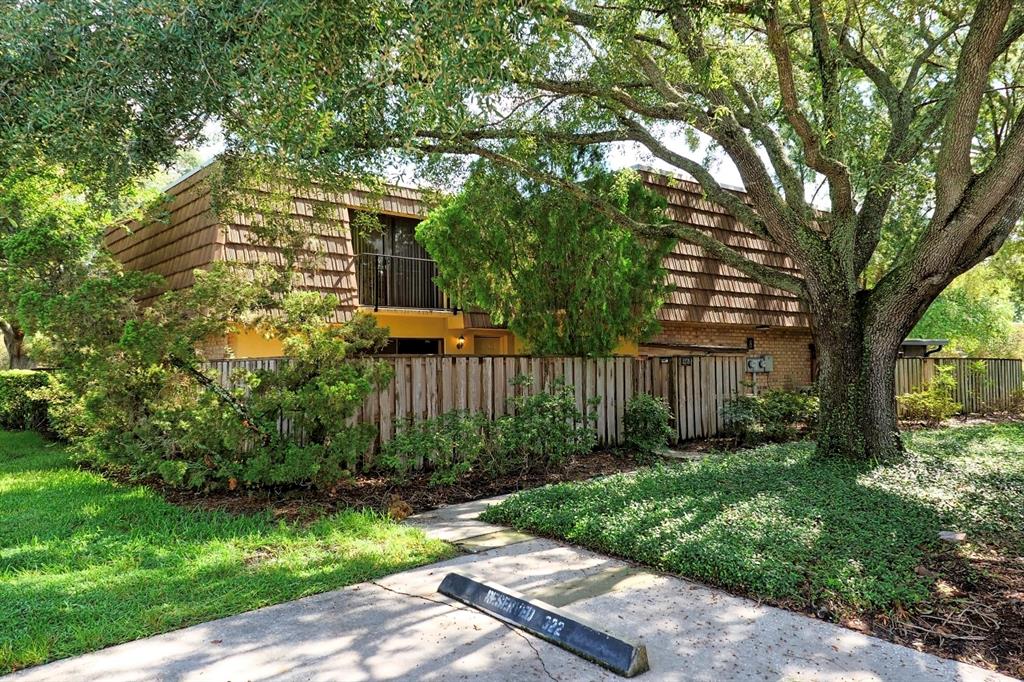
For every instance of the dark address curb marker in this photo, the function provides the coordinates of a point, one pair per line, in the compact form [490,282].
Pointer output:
[548,623]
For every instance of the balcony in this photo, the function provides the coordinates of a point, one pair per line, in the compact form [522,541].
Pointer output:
[389,281]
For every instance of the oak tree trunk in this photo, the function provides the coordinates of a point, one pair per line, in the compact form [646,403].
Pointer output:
[857,384]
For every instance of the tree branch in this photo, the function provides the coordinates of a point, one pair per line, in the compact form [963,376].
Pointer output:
[241,411]
[828,75]
[888,91]
[584,88]
[579,139]
[714,191]
[837,174]
[762,273]
[787,228]
[987,189]
[972,77]
[792,185]
[1014,30]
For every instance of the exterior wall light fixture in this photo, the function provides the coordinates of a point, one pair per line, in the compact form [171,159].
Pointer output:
[460,342]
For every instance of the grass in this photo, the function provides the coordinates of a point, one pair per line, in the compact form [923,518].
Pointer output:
[776,523]
[86,563]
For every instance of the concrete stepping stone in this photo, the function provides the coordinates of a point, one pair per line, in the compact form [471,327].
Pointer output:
[683,455]
[493,540]
[456,522]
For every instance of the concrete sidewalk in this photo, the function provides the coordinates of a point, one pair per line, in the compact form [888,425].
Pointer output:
[399,628]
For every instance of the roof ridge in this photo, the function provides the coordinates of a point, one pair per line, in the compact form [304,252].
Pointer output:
[675,175]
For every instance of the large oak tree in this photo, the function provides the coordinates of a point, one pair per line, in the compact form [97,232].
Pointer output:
[901,112]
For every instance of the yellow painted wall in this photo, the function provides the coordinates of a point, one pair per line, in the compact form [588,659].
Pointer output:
[426,324]
[408,324]
[403,324]
[248,343]
[626,347]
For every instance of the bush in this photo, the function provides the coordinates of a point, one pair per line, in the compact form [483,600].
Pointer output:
[450,445]
[175,422]
[546,429]
[934,403]
[291,463]
[647,429]
[21,409]
[187,436]
[66,417]
[773,416]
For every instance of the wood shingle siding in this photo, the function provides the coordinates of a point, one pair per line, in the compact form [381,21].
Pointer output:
[703,289]
[193,237]
[186,240]
[326,213]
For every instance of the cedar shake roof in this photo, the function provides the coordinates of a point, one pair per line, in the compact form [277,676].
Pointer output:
[702,289]
[193,237]
[188,239]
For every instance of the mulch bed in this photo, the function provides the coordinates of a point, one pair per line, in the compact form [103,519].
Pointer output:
[976,614]
[384,495]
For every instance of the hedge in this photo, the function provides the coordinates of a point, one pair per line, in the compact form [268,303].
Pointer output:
[19,412]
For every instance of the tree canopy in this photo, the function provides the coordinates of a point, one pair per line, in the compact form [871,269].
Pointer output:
[976,314]
[904,114]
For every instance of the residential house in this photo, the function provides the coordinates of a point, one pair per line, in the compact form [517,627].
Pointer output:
[711,308]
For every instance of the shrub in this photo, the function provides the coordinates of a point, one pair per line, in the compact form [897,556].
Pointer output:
[291,463]
[450,445]
[773,416]
[176,423]
[66,416]
[21,409]
[646,425]
[785,412]
[1015,402]
[186,436]
[545,428]
[934,403]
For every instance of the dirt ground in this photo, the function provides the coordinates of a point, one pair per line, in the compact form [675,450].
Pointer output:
[976,613]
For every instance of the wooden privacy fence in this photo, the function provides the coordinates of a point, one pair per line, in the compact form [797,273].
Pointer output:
[695,387]
[982,385]
[427,386]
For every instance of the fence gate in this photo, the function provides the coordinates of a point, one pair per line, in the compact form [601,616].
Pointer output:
[695,387]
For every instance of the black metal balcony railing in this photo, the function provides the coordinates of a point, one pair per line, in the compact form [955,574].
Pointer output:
[398,282]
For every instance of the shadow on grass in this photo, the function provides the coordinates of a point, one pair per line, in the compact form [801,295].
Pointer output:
[776,522]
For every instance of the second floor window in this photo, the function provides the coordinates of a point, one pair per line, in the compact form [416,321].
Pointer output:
[393,269]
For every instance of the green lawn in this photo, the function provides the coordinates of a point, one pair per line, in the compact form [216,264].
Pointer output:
[86,563]
[776,523]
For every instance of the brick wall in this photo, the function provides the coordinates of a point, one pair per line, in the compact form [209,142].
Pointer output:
[790,348]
